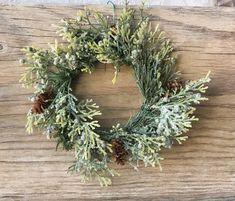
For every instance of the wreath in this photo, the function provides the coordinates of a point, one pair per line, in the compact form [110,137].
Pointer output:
[164,117]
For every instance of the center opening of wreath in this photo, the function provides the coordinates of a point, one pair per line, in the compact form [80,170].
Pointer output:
[117,102]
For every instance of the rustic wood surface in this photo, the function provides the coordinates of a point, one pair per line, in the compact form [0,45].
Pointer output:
[202,169]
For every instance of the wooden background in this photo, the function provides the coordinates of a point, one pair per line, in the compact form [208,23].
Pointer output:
[202,169]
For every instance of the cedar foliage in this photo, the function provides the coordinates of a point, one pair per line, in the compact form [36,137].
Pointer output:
[162,119]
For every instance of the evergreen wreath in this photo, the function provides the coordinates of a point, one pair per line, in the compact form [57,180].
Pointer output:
[164,117]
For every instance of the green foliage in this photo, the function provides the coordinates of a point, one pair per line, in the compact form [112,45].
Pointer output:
[140,146]
[162,120]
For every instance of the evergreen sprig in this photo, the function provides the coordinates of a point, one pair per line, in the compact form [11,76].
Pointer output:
[163,119]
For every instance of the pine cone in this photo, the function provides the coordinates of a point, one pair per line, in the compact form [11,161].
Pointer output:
[37,108]
[175,85]
[42,102]
[119,151]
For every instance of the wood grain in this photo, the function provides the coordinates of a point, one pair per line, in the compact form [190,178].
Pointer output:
[202,169]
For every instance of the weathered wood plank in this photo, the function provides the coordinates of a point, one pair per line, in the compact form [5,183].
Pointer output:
[202,169]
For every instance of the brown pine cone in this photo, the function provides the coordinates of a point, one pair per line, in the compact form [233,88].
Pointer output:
[119,151]
[42,102]
[37,108]
[175,85]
